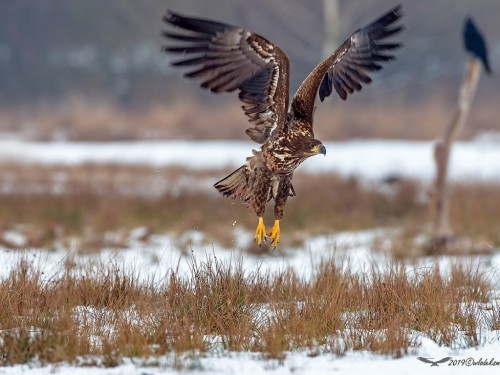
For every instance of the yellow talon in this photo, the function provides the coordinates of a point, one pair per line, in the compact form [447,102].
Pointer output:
[260,232]
[275,233]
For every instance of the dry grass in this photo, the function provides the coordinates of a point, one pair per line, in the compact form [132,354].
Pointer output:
[101,120]
[221,118]
[91,201]
[474,209]
[101,314]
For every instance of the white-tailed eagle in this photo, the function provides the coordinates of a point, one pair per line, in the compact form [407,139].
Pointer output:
[228,58]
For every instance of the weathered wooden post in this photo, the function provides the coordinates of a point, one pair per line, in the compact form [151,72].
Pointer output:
[476,46]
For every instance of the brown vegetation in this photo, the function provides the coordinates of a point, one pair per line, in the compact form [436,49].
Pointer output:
[53,203]
[100,314]
[97,314]
[100,120]
[89,201]
[472,211]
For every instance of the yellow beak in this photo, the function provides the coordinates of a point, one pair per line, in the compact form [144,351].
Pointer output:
[319,149]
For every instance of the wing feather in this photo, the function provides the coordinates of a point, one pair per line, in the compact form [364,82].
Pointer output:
[190,49]
[186,38]
[228,58]
[425,360]
[443,360]
[363,54]
[348,68]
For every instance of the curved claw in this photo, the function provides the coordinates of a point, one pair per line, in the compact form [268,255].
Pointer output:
[274,233]
[260,232]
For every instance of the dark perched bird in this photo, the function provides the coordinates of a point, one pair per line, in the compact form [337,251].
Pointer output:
[475,44]
[228,58]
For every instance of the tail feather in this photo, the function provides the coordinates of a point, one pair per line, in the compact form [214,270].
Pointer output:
[235,185]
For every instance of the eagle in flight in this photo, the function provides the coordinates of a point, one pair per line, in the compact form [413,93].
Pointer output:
[228,58]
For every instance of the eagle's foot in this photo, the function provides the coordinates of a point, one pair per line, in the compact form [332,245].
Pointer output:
[260,232]
[274,233]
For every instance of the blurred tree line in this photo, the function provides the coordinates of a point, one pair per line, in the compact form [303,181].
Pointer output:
[54,48]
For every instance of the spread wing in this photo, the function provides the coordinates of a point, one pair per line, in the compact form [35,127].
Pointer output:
[443,360]
[425,360]
[228,58]
[348,68]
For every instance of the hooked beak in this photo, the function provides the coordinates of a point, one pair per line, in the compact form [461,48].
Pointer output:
[319,149]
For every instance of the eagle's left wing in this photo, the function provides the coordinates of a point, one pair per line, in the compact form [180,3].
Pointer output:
[348,67]
[425,360]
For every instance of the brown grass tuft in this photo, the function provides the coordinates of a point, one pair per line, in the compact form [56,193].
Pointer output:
[102,311]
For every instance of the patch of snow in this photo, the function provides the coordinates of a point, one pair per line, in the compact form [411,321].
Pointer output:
[155,260]
[14,237]
[374,159]
[488,137]
[298,362]
[163,254]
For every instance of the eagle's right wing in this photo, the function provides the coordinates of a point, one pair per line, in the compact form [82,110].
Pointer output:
[443,360]
[228,58]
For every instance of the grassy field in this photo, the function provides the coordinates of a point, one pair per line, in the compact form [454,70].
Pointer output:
[100,314]
[89,201]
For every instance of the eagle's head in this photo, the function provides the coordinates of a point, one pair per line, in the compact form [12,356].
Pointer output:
[311,147]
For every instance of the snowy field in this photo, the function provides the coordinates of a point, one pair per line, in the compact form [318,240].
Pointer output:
[163,254]
[478,160]
[298,363]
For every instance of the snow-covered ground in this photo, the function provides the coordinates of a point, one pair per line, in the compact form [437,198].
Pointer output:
[162,254]
[299,363]
[478,160]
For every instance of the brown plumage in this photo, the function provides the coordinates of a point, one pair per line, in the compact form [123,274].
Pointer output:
[228,58]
